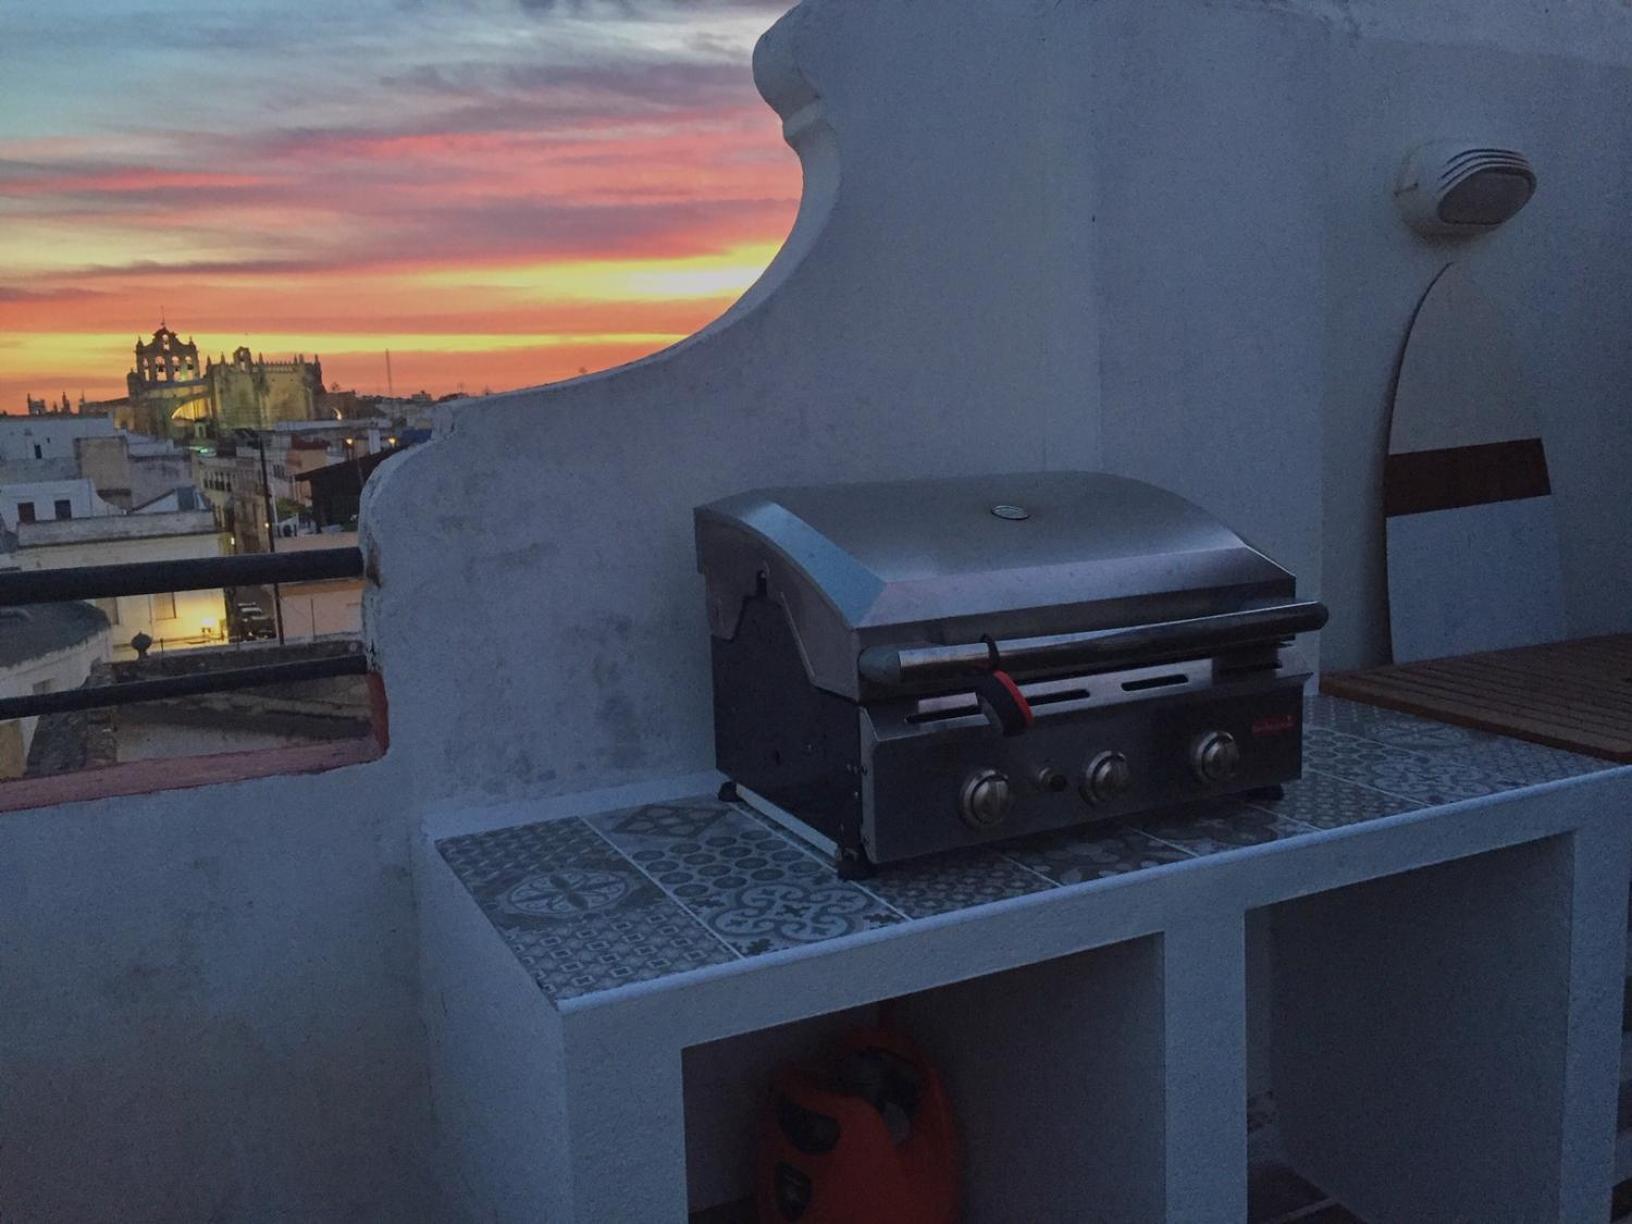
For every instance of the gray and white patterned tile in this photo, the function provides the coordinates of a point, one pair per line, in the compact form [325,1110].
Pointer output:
[1096,852]
[1414,734]
[1213,828]
[1425,778]
[763,918]
[1510,759]
[752,887]
[1432,780]
[1525,763]
[958,880]
[577,915]
[1331,750]
[645,892]
[1375,722]
[1335,714]
[1327,802]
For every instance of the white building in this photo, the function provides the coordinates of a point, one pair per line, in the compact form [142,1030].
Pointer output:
[131,469]
[185,497]
[330,608]
[47,648]
[174,621]
[242,484]
[62,468]
[48,437]
[48,501]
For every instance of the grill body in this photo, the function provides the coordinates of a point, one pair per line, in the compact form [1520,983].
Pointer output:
[854,628]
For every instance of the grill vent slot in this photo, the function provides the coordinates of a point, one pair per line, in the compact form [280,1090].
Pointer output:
[1151,682]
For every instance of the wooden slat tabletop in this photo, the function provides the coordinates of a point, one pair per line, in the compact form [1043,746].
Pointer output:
[1575,695]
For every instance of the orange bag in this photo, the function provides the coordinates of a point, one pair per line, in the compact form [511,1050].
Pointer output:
[867,1138]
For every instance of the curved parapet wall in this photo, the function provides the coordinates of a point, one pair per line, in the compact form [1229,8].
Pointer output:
[539,621]
[1150,236]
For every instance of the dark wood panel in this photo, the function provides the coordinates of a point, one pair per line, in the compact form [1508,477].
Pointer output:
[1416,482]
[1540,703]
[1572,695]
[1593,690]
[1576,706]
[1481,719]
[1437,707]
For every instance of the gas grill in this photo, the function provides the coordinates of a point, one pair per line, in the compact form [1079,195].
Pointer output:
[907,667]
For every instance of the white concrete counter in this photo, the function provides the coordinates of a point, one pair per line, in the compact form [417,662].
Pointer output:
[1446,918]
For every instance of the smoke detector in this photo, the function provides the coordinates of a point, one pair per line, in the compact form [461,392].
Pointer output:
[1462,187]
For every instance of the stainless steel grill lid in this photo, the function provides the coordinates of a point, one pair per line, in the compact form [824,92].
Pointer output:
[879,579]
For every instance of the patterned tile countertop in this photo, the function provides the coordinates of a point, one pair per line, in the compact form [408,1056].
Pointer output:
[588,904]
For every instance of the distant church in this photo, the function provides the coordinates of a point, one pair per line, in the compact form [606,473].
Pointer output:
[170,395]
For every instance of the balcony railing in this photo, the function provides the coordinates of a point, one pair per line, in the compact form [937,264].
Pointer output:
[160,577]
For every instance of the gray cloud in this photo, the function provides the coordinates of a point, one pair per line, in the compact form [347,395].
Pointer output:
[625,9]
[551,92]
[13,293]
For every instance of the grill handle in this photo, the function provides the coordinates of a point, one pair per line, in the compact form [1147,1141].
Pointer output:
[898,666]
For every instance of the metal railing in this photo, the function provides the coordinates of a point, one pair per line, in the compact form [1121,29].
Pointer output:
[19,589]
[162,577]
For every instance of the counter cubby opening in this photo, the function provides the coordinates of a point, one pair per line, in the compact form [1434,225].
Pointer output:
[1406,1039]
[1054,1071]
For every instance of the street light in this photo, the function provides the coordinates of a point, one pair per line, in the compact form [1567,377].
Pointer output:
[252,437]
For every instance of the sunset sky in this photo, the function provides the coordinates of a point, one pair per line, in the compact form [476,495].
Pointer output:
[500,192]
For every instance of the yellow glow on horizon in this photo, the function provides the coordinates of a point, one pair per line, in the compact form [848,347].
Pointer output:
[283,346]
[722,275]
[35,247]
[279,346]
[92,359]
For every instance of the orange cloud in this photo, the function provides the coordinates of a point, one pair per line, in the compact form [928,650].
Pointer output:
[496,217]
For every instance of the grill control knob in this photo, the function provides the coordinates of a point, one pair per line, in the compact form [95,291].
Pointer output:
[1215,756]
[1051,780]
[1106,778]
[984,803]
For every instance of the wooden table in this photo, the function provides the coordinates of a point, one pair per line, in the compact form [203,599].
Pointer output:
[1574,695]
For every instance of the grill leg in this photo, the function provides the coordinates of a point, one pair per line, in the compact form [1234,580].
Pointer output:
[853,864]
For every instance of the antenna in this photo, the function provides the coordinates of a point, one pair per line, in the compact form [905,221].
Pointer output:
[390,388]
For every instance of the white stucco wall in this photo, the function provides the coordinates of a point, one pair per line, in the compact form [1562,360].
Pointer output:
[53,435]
[44,495]
[187,619]
[210,1007]
[130,537]
[1155,237]
[54,672]
[321,609]
[1552,81]
[1152,236]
